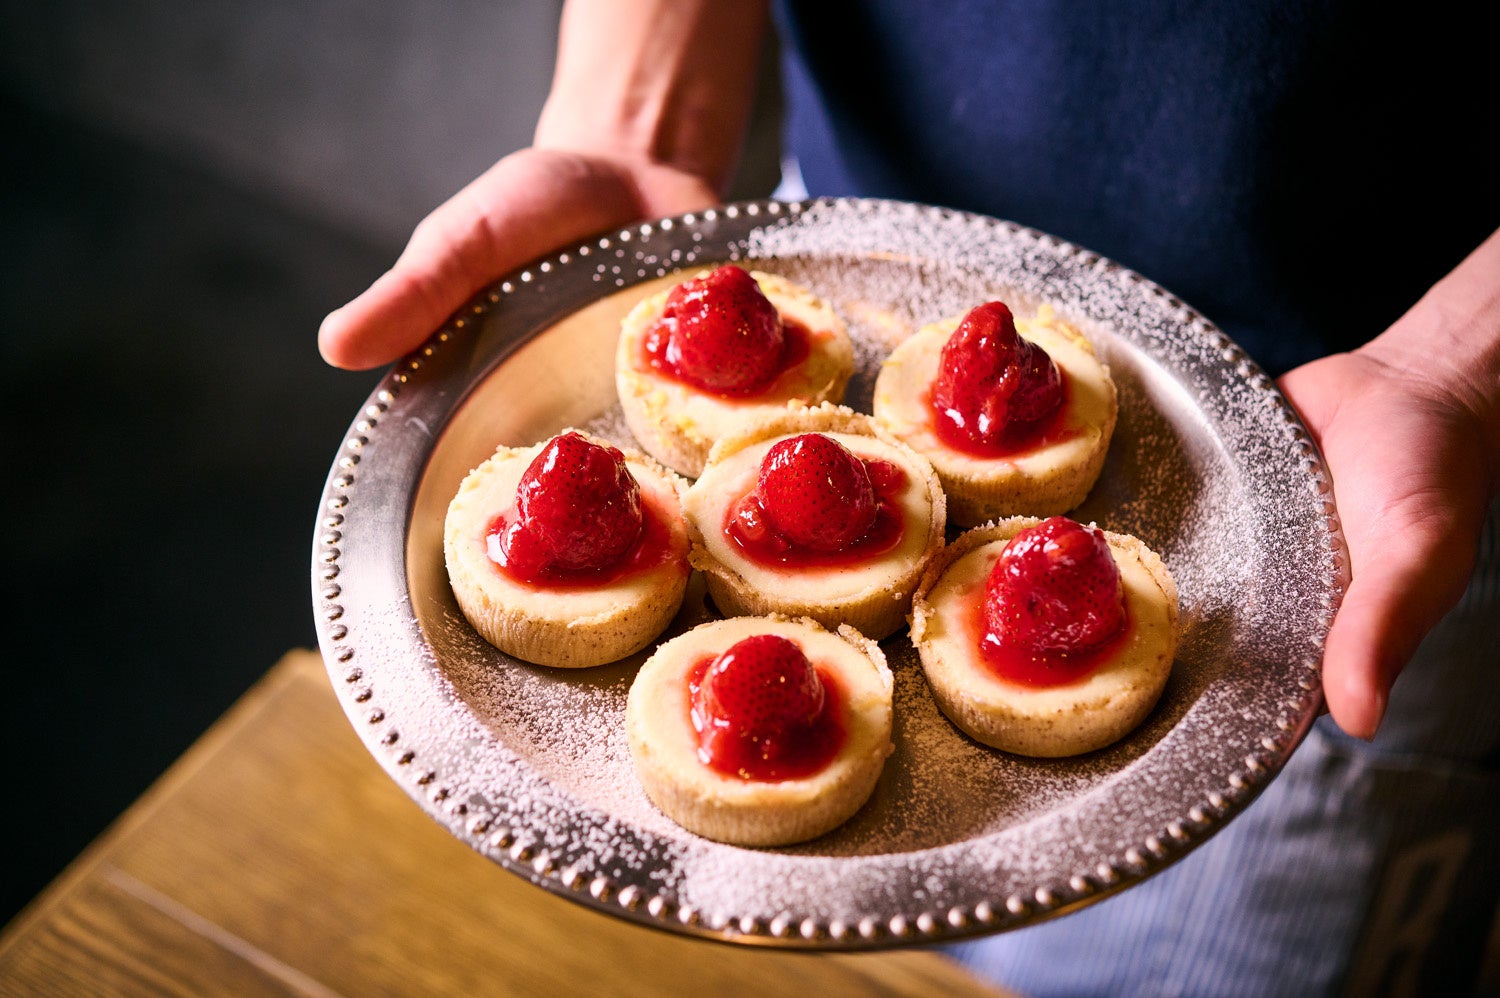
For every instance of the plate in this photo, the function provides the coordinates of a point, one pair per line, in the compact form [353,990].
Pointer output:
[530,766]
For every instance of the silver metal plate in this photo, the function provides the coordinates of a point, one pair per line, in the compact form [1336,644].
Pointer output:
[530,766]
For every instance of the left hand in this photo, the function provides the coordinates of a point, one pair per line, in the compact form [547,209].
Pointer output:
[1409,425]
[1411,480]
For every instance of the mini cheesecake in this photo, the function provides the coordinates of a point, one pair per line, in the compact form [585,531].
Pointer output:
[678,422]
[584,620]
[677,776]
[872,594]
[1020,714]
[1052,475]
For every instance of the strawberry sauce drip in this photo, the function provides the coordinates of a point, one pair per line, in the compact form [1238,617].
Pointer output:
[651,549]
[796,347]
[1019,441]
[1036,669]
[800,752]
[749,529]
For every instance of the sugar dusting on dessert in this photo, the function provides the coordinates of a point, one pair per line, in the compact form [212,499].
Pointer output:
[532,764]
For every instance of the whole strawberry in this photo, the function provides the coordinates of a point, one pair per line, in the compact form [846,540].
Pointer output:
[756,700]
[992,383]
[816,493]
[1055,589]
[724,333]
[579,509]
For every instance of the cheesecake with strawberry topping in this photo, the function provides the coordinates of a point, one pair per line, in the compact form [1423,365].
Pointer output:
[723,346]
[761,731]
[1046,637]
[1015,413]
[815,512]
[569,553]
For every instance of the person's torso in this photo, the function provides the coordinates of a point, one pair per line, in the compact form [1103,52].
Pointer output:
[1300,173]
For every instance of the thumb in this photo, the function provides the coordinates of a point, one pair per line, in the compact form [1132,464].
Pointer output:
[1393,600]
[525,205]
[1411,488]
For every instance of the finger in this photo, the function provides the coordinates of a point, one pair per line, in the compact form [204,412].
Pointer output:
[1398,593]
[524,206]
[381,324]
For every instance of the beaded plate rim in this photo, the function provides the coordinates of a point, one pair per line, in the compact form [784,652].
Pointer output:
[616,260]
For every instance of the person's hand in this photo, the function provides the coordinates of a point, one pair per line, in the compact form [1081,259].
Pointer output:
[1412,483]
[529,203]
[646,113]
[1409,426]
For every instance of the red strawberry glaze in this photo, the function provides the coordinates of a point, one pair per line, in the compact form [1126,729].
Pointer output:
[1052,609]
[763,712]
[1052,430]
[578,519]
[1037,669]
[721,335]
[653,547]
[996,393]
[818,505]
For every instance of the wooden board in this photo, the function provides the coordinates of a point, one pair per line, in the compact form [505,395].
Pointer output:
[276,857]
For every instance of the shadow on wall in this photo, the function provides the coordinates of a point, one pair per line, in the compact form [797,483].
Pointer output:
[364,116]
[193,186]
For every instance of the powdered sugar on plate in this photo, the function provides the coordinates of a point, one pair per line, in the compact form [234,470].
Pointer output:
[530,765]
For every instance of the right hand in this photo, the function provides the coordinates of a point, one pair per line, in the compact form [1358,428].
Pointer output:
[531,202]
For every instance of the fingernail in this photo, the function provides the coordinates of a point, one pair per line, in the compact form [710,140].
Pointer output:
[328,318]
[1377,710]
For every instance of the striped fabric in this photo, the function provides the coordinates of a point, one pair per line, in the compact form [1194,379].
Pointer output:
[1363,868]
